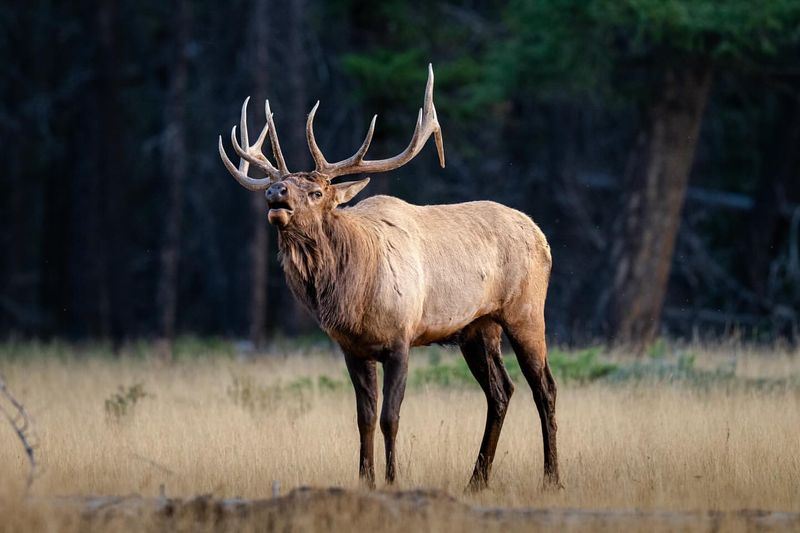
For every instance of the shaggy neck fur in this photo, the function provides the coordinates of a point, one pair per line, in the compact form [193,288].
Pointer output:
[331,267]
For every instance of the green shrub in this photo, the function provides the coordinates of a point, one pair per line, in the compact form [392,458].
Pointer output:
[122,403]
[583,366]
[244,392]
[187,347]
[658,350]
[442,374]
[329,384]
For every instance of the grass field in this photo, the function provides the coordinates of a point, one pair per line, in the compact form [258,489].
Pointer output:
[691,428]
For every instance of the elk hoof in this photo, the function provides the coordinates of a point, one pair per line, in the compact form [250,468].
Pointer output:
[552,484]
[476,484]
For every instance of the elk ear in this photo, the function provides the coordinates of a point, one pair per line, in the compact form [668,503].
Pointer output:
[344,192]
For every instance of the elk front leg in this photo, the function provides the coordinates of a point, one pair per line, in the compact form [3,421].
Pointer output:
[395,371]
[364,378]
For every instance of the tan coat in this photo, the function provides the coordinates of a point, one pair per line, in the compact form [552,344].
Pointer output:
[397,272]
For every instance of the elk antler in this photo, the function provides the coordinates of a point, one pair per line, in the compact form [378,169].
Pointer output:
[253,154]
[427,124]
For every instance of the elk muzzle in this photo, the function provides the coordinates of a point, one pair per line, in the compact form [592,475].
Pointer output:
[280,208]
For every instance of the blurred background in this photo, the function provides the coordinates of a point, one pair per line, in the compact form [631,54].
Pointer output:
[656,142]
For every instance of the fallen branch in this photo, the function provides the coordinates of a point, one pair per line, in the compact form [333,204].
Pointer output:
[342,509]
[20,421]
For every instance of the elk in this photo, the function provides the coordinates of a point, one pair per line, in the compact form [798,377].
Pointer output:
[384,276]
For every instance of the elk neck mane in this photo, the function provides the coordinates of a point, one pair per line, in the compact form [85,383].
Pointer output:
[331,267]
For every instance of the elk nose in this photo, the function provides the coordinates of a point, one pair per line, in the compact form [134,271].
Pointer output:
[277,193]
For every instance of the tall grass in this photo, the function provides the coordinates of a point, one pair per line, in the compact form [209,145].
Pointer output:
[687,429]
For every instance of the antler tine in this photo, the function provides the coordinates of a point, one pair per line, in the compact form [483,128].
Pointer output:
[362,151]
[273,139]
[261,137]
[427,125]
[244,180]
[252,154]
[428,106]
[319,160]
[322,165]
[244,166]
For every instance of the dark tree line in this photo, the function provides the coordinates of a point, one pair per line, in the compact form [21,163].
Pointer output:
[656,143]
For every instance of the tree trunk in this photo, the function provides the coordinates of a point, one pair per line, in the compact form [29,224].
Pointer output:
[89,261]
[259,245]
[656,181]
[174,160]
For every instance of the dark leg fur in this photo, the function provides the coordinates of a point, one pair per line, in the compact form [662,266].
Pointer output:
[395,372]
[365,383]
[481,348]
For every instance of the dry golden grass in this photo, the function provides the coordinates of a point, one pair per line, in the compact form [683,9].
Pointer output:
[644,444]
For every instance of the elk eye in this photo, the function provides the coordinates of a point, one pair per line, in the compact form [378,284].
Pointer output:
[316,194]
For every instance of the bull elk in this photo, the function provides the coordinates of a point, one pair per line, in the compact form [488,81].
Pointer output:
[384,276]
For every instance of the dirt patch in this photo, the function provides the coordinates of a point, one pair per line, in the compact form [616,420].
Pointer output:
[334,509]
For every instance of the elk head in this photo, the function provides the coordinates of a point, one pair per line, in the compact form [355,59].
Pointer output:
[303,198]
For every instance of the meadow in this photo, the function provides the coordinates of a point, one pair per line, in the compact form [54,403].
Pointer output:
[684,428]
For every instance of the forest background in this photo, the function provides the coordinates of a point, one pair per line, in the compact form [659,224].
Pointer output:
[657,144]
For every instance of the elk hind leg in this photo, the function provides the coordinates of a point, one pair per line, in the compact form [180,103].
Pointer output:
[527,339]
[480,345]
